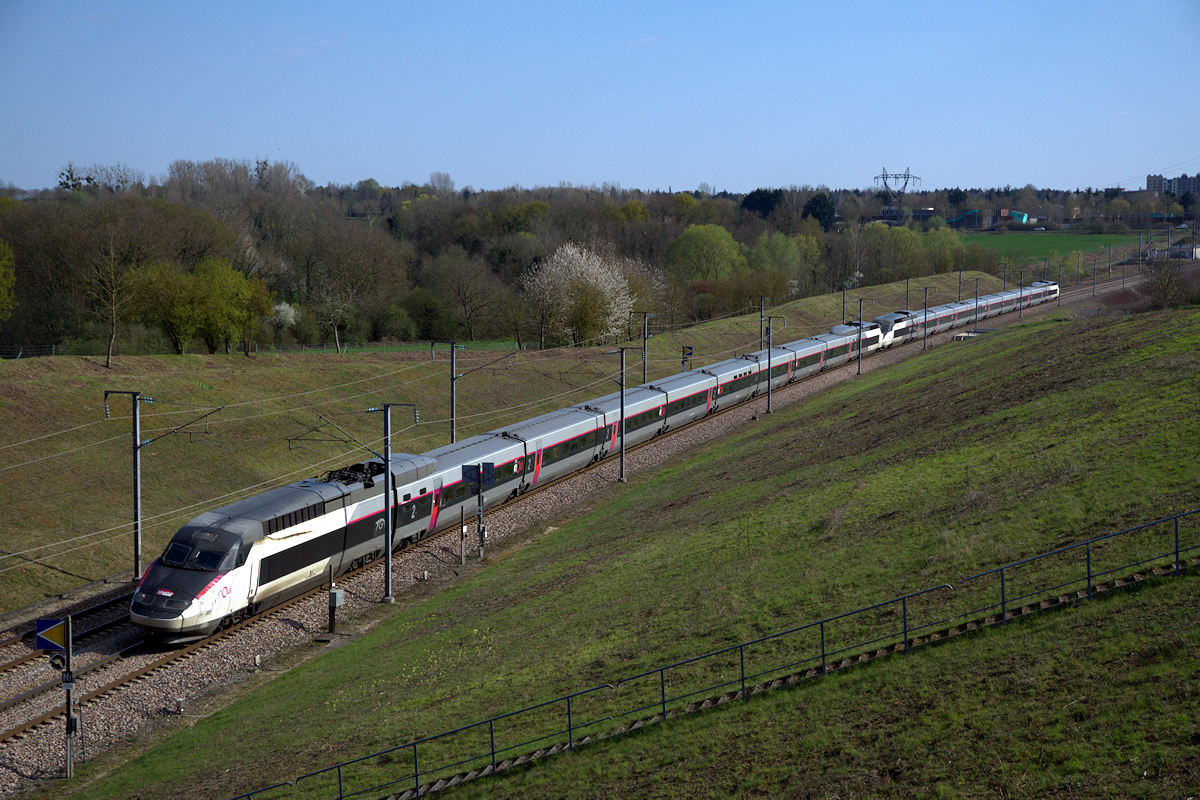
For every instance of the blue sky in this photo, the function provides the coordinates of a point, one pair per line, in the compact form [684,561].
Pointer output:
[646,95]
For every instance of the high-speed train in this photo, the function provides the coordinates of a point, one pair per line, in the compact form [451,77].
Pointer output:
[234,561]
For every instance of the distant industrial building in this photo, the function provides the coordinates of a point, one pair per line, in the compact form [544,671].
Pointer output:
[1176,186]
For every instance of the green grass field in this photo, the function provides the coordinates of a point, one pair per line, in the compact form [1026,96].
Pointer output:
[1027,247]
[965,458]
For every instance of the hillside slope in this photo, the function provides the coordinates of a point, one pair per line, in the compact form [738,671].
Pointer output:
[954,462]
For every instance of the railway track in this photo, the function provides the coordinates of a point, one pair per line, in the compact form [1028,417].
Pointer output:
[120,659]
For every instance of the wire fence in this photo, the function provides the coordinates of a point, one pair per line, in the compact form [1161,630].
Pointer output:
[489,746]
[100,349]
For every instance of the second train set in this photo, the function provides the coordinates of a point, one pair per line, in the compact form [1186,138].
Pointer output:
[239,559]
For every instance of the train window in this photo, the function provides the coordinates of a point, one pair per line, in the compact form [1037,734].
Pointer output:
[176,554]
[207,550]
[808,361]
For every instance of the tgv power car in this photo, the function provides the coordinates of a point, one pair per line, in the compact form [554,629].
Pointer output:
[237,560]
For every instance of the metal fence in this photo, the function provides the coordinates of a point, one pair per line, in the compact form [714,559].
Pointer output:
[485,747]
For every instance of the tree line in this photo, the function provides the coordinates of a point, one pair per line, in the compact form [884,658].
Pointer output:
[224,253]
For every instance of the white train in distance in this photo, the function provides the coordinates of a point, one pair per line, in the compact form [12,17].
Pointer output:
[234,561]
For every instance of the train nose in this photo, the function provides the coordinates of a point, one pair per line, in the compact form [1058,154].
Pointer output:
[160,602]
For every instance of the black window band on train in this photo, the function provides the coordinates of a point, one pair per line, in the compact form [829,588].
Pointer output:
[295,517]
[808,361]
[685,403]
[574,445]
[303,555]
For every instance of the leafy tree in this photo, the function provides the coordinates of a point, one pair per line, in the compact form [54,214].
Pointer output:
[165,295]
[429,314]
[8,281]
[634,211]
[231,305]
[821,206]
[704,252]
[684,206]
[892,253]
[946,248]
[763,201]
[956,197]
[776,252]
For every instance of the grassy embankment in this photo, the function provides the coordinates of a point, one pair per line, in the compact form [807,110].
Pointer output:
[953,462]
[68,473]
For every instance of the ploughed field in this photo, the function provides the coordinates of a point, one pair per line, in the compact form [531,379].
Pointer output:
[964,458]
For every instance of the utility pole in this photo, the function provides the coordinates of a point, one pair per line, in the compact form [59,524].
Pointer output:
[388,491]
[925,321]
[387,504]
[138,398]
[762,310]
[454,376]
[621,472]
[770,345]
[977,305]
[860,327]
[645,335]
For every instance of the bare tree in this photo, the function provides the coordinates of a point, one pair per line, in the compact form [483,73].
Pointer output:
[441,184]
[1164,282]
[109,290]
[468,282]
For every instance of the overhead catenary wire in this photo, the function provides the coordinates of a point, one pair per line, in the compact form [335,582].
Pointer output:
[279,398]
[156,519]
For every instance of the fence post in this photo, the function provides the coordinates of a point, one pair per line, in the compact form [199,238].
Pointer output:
[824,668]
[1177,545]
[570,730]
[492,735]
[1003,599]
[1088,548]
[904,614]
[742,659]
[662,691]
[416,773]
[341,793]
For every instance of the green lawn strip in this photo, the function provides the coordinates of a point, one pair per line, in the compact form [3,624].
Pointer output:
[726,546]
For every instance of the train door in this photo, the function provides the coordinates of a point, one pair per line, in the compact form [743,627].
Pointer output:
[537,466]
[437,504]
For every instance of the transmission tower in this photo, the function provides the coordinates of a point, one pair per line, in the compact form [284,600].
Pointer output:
[901,178]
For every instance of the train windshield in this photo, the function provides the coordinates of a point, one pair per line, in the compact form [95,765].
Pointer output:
[207,550]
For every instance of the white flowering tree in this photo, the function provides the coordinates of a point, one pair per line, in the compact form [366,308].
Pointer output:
[283,316]
[578,296]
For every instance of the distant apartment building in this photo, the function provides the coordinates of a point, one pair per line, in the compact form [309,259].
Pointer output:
[1176,186]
